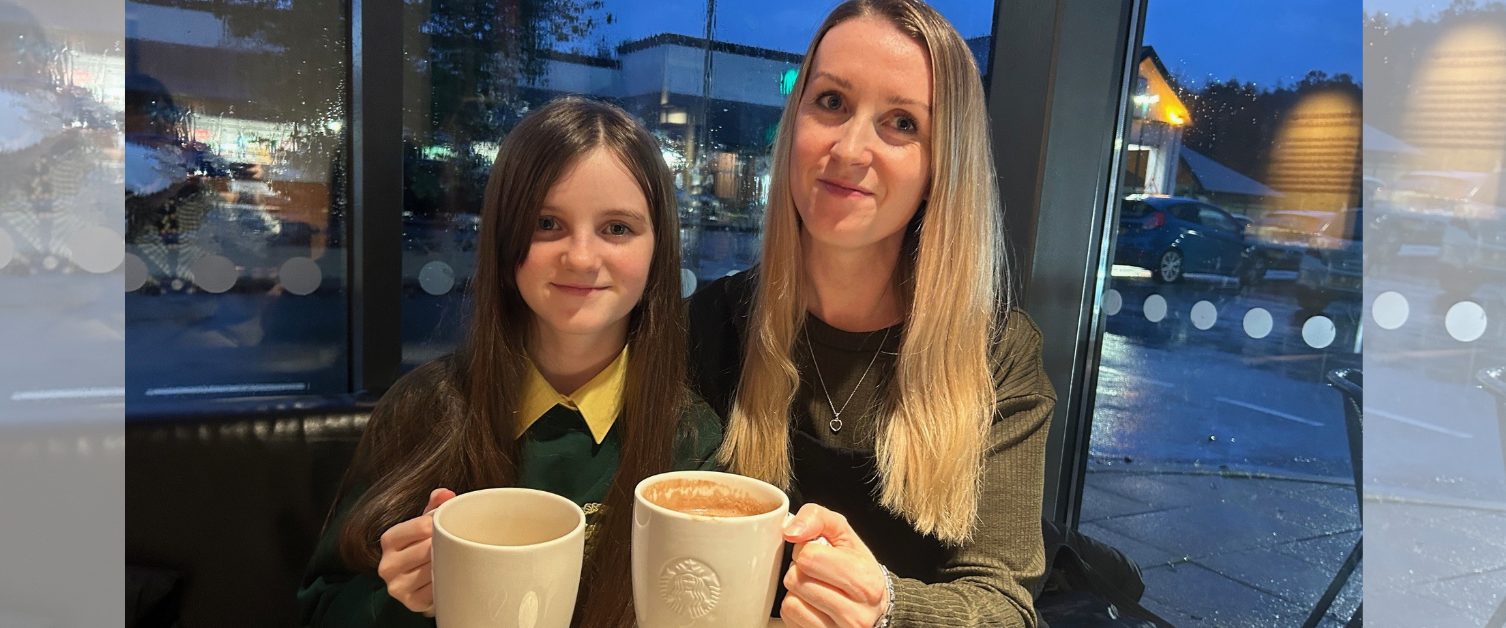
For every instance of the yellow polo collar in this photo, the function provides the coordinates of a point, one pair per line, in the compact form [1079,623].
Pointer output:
[599,401]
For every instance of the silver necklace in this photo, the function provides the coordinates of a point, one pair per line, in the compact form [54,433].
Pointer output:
[836,421]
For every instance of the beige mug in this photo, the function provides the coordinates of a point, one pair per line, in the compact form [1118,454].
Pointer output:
[507,558]
[706,550]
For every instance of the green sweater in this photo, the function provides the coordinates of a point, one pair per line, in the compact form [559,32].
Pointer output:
[557,454]
[985,581]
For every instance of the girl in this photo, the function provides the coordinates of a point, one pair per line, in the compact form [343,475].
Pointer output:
[571,379]
[872,364]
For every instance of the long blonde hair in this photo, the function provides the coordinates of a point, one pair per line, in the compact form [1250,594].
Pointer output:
[953,282]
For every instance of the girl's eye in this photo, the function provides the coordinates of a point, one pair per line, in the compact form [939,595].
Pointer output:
[548,224]
[829,101]
[619,229]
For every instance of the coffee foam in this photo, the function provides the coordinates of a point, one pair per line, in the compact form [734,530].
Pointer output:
[706,498]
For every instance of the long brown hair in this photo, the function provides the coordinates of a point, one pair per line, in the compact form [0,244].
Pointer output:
[470,444]
[952,280]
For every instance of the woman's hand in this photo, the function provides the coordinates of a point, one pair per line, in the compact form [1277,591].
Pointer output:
[839,585]
[406,552]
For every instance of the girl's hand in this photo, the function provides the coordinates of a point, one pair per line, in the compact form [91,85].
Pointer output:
[839,585]
[406,552]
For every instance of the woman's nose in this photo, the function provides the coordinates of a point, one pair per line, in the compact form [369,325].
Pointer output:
[854,145]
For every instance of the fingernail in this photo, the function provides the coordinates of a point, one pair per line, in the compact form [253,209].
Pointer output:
[795,528]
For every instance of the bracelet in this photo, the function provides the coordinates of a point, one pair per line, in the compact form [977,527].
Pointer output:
[883,620]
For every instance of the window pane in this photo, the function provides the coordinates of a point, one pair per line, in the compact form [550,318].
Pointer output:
[1220,453]
[235,201]
[1435,303]
[61,341]
[464,89]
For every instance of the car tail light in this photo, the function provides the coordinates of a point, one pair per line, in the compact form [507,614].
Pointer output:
[1154,220]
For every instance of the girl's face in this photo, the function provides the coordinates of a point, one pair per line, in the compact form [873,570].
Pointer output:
[861,156]
[592,249]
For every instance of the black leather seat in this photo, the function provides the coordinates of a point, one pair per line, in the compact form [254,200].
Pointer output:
[222,513]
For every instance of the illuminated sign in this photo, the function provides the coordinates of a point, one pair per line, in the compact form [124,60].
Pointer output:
[787,81]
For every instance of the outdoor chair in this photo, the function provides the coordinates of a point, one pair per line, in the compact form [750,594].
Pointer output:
[1350,384]
[1493,380]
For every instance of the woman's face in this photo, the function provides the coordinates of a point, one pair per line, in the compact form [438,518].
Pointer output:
[592,249]
[861,157]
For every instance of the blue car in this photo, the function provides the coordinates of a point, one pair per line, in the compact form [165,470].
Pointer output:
[1171,236]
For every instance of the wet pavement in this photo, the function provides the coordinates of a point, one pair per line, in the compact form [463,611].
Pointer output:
[1219,461]
[1435,565]
[1228,551]
[1219,454]
[1435,509]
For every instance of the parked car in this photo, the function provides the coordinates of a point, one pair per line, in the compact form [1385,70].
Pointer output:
[1473,250]
[1333,265]
[1417,208]
[1280,238]
[1171,236]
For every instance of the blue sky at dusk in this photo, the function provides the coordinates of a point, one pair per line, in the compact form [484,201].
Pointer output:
[1264,41]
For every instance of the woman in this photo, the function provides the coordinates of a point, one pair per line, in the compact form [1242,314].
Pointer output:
[872,364]
[577,289]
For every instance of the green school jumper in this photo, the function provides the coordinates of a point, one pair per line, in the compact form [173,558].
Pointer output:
[558,453]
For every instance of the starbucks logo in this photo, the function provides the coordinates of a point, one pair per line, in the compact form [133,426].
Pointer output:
[528,611]
[689,588]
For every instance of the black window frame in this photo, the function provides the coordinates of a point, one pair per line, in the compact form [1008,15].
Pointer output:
[1069,66]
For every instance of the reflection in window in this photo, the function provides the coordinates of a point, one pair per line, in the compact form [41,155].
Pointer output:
[1435,272]
[61,343]
[235,200]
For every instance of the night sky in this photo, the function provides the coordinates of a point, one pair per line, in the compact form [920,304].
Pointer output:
[1264,41]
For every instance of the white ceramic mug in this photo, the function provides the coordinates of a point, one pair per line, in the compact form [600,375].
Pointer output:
[698,571]
[507,558]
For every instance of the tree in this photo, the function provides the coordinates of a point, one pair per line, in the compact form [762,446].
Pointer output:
[1236,124]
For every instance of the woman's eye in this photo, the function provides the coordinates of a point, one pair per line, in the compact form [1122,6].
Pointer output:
[829,101]
[906,124]
[548,224]
[619,229]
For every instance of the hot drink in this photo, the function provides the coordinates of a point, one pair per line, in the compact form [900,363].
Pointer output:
[706,550]
[705,498]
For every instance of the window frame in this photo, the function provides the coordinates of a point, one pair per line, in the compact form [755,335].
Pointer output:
[1069,67]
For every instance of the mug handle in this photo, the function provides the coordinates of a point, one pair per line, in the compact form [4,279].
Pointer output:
[429,612]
